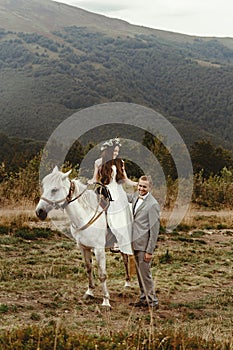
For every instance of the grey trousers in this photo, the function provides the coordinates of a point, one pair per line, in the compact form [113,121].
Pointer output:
[145,279]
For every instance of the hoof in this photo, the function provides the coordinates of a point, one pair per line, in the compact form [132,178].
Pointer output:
[127,284]
[88,296]
[106,303]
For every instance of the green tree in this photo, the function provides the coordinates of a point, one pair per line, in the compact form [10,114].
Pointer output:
[209,159]
[162,153]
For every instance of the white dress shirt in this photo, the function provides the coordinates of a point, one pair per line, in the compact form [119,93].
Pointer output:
[139,202]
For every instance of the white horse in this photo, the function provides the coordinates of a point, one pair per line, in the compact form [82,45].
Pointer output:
[88,222]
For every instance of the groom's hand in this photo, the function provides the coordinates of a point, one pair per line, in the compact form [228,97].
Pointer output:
[147,257]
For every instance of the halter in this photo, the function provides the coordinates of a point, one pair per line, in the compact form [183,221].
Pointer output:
[68,199]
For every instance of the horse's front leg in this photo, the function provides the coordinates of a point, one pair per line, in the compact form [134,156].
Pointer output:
[88,261]
[101,261]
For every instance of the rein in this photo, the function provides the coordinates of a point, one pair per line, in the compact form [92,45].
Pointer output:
[69,199]
[94,217]
[96,214]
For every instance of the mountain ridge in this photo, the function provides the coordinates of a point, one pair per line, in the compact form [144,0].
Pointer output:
[71,59]
[67,15]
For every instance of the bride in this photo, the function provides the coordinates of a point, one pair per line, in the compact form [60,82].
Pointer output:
[110,171]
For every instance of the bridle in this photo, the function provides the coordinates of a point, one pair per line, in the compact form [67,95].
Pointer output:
[68,199]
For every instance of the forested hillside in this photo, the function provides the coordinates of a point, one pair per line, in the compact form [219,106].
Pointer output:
[48,75]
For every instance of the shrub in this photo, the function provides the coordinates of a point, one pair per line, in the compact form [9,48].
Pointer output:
[215,192]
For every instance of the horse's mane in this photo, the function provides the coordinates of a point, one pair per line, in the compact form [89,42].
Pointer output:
[89,198]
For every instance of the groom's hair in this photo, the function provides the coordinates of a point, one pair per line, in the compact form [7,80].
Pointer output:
[147,178]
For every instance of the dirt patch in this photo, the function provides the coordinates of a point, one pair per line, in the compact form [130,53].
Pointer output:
[44,280]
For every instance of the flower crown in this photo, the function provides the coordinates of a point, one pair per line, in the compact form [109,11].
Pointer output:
[111,143]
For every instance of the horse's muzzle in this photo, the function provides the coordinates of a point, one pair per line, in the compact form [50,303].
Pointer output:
[41,214]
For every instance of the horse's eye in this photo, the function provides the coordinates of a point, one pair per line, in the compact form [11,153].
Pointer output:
[54,190]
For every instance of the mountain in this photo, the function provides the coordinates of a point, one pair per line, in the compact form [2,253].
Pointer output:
[56,59]
[45,16]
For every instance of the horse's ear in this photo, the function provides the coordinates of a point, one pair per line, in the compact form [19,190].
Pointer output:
[55,170]
[66,174]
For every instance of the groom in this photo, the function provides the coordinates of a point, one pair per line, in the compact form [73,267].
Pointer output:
[144,237]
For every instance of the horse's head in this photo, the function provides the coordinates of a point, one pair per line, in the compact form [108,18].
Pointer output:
[55,188]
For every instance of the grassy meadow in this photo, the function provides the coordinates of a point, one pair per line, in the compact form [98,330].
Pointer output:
[43,280]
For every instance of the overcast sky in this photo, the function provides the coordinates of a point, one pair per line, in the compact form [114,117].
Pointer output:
[195,17]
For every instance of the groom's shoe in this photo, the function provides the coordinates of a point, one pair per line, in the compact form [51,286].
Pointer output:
[154,306]
[139,303]
[144,304]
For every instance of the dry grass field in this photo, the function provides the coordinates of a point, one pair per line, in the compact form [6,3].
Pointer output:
[43,279]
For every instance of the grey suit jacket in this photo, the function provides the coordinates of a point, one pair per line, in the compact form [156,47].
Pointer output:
[146,223]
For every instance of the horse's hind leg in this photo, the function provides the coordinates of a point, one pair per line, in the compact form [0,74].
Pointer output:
[127,274]
[101,261]
[129,268]
[88,261]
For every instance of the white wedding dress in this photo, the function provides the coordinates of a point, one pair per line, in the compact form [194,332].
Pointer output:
[119,215]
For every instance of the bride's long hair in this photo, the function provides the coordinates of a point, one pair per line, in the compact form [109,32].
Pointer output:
[105,171]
